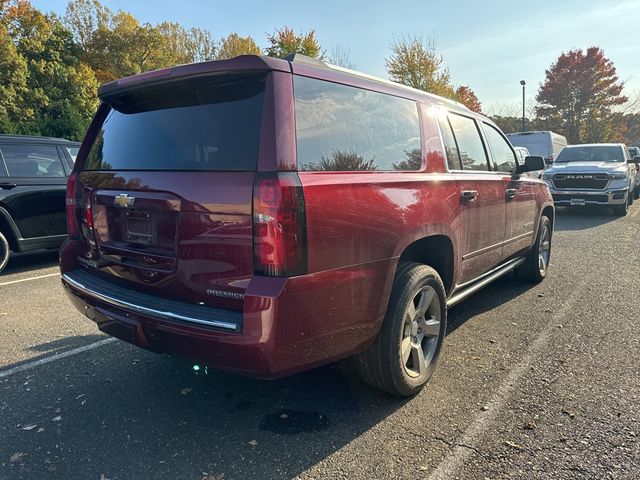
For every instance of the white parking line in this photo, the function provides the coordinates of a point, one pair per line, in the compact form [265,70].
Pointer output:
[28,279]
[53,358]
[449,465]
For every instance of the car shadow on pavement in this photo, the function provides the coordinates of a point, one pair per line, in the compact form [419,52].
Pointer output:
[66,343]
[125,413]
[54,347]
[490,297]
[582,218]
[26,262]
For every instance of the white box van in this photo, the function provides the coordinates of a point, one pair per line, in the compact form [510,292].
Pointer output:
[545,144]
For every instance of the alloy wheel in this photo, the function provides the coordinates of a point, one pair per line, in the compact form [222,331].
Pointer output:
[421,331]
[544,249]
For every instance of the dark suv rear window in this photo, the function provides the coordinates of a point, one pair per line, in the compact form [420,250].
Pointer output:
[207,123]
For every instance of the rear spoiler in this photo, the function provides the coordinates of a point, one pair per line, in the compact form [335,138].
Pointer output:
[243,63]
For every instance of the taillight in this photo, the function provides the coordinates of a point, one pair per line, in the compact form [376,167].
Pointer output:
[73,228]
[279,225]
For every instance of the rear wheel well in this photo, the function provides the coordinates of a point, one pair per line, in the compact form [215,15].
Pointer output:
[550,214]
[7,231]
[435,251]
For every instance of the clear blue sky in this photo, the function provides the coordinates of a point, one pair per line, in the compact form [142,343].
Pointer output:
[489,46]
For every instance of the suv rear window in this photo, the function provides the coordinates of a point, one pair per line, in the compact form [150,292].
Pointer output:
[342,128]
[206,123]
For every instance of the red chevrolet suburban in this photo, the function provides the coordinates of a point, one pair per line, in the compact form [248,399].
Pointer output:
[268,216]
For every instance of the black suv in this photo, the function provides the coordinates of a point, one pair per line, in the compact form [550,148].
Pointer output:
[33,177]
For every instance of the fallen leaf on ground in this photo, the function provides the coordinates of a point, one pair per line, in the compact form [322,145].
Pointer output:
[16,456]
[513,445]
[30,427]
[253,443]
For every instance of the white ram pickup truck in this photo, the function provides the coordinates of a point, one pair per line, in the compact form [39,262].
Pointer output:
[593,174]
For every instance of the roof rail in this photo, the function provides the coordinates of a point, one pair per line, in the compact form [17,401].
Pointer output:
[300,58]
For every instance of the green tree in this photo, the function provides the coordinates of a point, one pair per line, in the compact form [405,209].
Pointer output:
[84,17]
[60,89]
[578,96]
[13,85]
[285,42]
[416,63]
[235,45]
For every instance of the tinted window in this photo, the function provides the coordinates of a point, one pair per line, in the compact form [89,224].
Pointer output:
[32,160]
[601,153]
[208,123]
[73,152]
[450,147]
[347,128]
[467,135]
[501,151]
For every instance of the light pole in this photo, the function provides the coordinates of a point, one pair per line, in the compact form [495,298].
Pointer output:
[523,83]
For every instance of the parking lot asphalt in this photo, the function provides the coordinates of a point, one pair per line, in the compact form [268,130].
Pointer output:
[534,382]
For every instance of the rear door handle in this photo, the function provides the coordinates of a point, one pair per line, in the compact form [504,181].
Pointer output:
[469,195]
[510,193]
[8,186]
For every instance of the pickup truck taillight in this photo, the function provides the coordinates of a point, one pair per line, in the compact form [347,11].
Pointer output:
[73,229]
[279,225]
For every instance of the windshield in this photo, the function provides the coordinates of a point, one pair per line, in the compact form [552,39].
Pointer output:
[204,123]
[604,153]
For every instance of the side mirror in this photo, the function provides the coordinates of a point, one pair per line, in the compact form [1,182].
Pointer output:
[548,161]
[532,163]
[636,159]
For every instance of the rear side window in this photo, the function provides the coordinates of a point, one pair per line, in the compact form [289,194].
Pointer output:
[469,142]
[24,160]
[450,147]
[341,128]
[206,123]
[501,152]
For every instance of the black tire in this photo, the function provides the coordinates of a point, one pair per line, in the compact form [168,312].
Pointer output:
[636,192]
[536,265]
[4,252]
[621,210]
[405,329]
[632,196]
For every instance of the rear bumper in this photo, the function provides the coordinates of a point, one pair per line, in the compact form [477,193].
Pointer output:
[287,324]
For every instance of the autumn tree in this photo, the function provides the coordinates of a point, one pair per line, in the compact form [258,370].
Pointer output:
[416,63]
[285,42]
[235,45]
[467,97]
[578,96]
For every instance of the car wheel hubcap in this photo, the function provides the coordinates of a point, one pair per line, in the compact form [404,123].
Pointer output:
[421,331]
[544,250]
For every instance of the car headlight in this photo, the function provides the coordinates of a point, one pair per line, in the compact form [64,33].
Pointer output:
[618,176]
[547,176]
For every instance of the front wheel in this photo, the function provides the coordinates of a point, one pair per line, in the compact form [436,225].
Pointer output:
[536,265]
[406,350]
[622,210]
[636,192]
[4,252]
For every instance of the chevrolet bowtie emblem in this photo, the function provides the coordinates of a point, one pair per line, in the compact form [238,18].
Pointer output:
[123,200]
